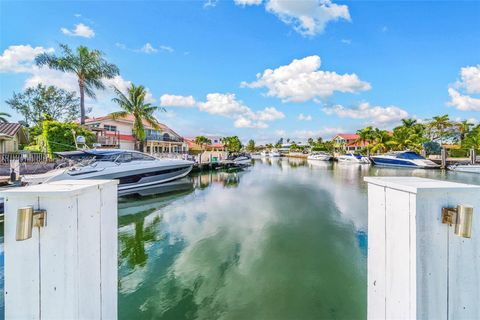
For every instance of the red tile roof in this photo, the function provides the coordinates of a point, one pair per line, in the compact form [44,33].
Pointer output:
[9,129]
[348,136]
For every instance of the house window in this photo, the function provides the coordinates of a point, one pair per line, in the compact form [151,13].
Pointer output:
[109,127]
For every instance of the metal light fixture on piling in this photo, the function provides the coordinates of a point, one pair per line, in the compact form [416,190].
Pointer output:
[27,218]
[461,217]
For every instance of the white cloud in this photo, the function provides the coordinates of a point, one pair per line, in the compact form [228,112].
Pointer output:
[170,100]
[247,2]
[346,41]
[468,85]
[377,114]
[280,133]
[80,30]
[228,106]
[166,48]
[210,3]
[303,117]
[463,102]
[20,58]
[301,81]
[148,48]
[308,17]
[470,79]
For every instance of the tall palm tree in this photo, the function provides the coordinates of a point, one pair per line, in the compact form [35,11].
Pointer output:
[88,65]
[202,141]
[3,117]
[439,125]
[134,104]
[464,128]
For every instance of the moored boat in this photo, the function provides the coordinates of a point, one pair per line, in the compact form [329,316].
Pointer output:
[322,156]
[409,159]
[351,157]
[274,154]
[470,168]
[133,169]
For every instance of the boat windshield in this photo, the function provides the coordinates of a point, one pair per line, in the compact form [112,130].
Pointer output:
[123,156]
[410,156]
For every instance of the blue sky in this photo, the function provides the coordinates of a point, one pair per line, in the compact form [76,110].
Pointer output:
[358,62]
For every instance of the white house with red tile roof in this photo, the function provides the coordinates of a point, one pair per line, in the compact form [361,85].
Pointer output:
[118,133]
[348,142]
[216,144]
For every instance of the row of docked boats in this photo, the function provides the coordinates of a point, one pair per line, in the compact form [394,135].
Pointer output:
[406,159]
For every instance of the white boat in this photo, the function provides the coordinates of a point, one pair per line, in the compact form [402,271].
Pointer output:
[470,168]
[351,157]
[134,170]
[409,159]
[322,156]
[274,154]
[242,161]
[264,154]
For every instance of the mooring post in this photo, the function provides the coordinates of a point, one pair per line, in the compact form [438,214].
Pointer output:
[473,156]
[60,243]
[443,156]
[419,267]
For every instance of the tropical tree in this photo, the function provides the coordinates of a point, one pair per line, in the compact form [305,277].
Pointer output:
[439,127]
[202,141]
[89,66]
[365,135]
[36,104]
[232,143]
[134,104]
[3,117]
[310,141]
[472,139]
[250,145]
[380,141]
[463,128]
[409,122]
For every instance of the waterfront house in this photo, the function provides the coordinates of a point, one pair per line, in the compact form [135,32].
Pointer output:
[216,145]
[12,135]
[345,142]
[118,133]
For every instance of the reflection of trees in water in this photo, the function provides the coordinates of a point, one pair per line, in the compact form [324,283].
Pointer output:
[227,179]
[295,163]
[133,245]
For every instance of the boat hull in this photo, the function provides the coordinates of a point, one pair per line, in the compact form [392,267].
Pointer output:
[466,168]
[392,162]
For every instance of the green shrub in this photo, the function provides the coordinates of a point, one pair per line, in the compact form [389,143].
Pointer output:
[59,136]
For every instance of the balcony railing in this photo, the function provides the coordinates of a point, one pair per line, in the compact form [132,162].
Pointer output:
[108,141]
[30,157]
[154,137]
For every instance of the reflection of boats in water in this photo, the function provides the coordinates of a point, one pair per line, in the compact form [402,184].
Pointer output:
[149,199]
[135,171]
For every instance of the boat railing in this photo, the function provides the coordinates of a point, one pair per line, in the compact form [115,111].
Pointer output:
[24,157]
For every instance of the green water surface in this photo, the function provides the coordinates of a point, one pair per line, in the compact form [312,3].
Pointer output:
[285,239]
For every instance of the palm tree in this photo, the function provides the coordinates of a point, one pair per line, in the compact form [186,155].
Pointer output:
[134,104]
[381,140]
[439,125]
[202,141]
[88,65]
[4,116]
[365,135]
[464,128]
[409,122]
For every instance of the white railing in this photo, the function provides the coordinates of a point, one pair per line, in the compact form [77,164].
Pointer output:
[28,157]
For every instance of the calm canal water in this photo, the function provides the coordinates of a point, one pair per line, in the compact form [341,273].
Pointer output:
[284,239]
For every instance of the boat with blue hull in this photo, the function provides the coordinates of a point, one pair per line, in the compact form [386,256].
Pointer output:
[407,159]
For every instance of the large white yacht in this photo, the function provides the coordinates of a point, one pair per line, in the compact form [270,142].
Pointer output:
[470,168]
[133,169]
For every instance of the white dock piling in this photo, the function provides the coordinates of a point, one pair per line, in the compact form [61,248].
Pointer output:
[68,268]
[418,268]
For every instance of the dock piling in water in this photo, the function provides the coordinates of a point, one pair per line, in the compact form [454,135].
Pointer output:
[418,267]
[61,262]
